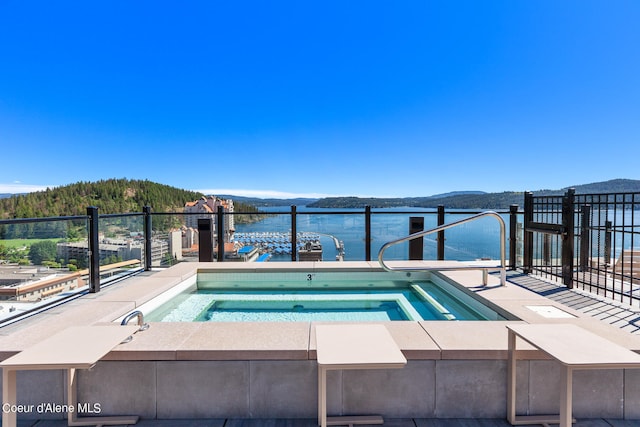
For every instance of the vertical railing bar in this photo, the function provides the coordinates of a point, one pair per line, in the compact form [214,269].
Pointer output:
[594,234]
[603,242]
[570,239]
[367,232]
[587,247]
[614,243]
[220,230]
[527,245]
[595,239]
[592,238]
[147,237]
[94,250]
[584,238]
[539,208]
[604,207]
[624,235]
[548,216]
[440,239]
[513,237]
[294,232]
[633,209]
[554,212]
[544,216]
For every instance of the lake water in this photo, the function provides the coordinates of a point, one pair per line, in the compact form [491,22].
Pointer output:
[478,239]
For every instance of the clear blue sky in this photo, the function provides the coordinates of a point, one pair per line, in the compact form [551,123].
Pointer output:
[372,98]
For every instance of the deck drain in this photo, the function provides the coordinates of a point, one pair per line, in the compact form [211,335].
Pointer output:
[550,312]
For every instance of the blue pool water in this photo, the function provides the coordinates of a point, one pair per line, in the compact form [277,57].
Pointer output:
[253,297]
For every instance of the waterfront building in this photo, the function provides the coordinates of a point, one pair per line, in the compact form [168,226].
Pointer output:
[311,251]
[206,208]
[189,237]
[33,283]
[123,249]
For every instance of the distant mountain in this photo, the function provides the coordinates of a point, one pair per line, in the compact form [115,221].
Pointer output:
[611,186]
[465,200]
[475,199]
[254,201]
[123,195]
[456,193]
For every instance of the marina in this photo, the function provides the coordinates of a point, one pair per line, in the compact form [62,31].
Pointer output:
[279,243]
[342,235]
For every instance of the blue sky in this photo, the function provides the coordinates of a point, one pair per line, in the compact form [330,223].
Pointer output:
[370,98]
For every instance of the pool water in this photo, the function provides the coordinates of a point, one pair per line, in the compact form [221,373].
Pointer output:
[356,300]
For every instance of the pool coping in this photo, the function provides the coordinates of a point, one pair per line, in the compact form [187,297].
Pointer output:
[423,340]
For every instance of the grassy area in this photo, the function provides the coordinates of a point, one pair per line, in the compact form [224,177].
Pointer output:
[20,243]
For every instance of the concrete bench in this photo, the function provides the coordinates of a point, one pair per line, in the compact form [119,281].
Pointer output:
[78,347]
[574,348]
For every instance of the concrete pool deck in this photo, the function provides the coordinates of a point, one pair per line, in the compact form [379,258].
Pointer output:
[268,369]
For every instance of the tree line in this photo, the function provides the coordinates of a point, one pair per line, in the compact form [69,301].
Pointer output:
[475,200]
[111,196]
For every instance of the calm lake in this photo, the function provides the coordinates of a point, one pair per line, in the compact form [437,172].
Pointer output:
[478,239]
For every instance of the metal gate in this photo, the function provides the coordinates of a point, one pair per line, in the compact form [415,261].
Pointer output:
[586,240]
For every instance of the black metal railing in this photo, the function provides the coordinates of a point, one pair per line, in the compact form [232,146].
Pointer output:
[154,244]
[588,240]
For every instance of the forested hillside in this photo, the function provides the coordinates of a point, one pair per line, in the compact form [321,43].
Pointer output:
[475,200]
[110,196]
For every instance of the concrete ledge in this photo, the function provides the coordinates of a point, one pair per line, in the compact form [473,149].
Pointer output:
[247,341]
[474,340]
[412,340]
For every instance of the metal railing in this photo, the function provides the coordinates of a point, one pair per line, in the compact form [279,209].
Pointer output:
[84,256]
[485,269]
[368,227]
[82,240]
[586,240]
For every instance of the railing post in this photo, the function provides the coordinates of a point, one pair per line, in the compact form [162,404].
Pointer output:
[147,237]
[527,256]
[367,233]
[513,236]
[94,250]
[294,232]
[608,226]
[220,230]
[440,238]
[568,223]
[585,238]
[205,239]
[416,246]
[546,249]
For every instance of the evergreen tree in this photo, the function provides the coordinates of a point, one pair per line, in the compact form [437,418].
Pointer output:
[43,251]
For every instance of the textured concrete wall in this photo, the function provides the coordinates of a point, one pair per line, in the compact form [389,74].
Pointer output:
[40,387]
[596,394]
[288,389]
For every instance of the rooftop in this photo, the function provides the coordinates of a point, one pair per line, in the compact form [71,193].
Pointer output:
[264,373]
[443,341]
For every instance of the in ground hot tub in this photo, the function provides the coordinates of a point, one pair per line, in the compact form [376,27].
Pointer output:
[316,296]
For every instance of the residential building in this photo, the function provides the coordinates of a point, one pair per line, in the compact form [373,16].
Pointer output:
[123,249]
[206,208]
[19,283]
